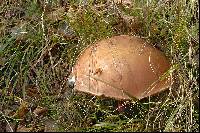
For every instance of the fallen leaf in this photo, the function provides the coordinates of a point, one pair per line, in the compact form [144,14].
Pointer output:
[32,91]
[24,129]
[23,109]
[40,111]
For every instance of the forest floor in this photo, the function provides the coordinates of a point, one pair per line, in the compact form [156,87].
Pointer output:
[41,39]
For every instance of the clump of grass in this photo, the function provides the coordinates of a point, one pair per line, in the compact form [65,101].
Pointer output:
[40,42]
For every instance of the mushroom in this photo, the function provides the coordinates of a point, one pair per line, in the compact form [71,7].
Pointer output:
[122,67]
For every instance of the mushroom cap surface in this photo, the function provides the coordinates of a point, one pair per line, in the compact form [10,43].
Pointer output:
[121,67]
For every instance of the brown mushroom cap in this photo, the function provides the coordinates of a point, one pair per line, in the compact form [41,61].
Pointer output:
[121,67]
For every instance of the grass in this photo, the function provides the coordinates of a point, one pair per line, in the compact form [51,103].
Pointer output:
[39,44]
